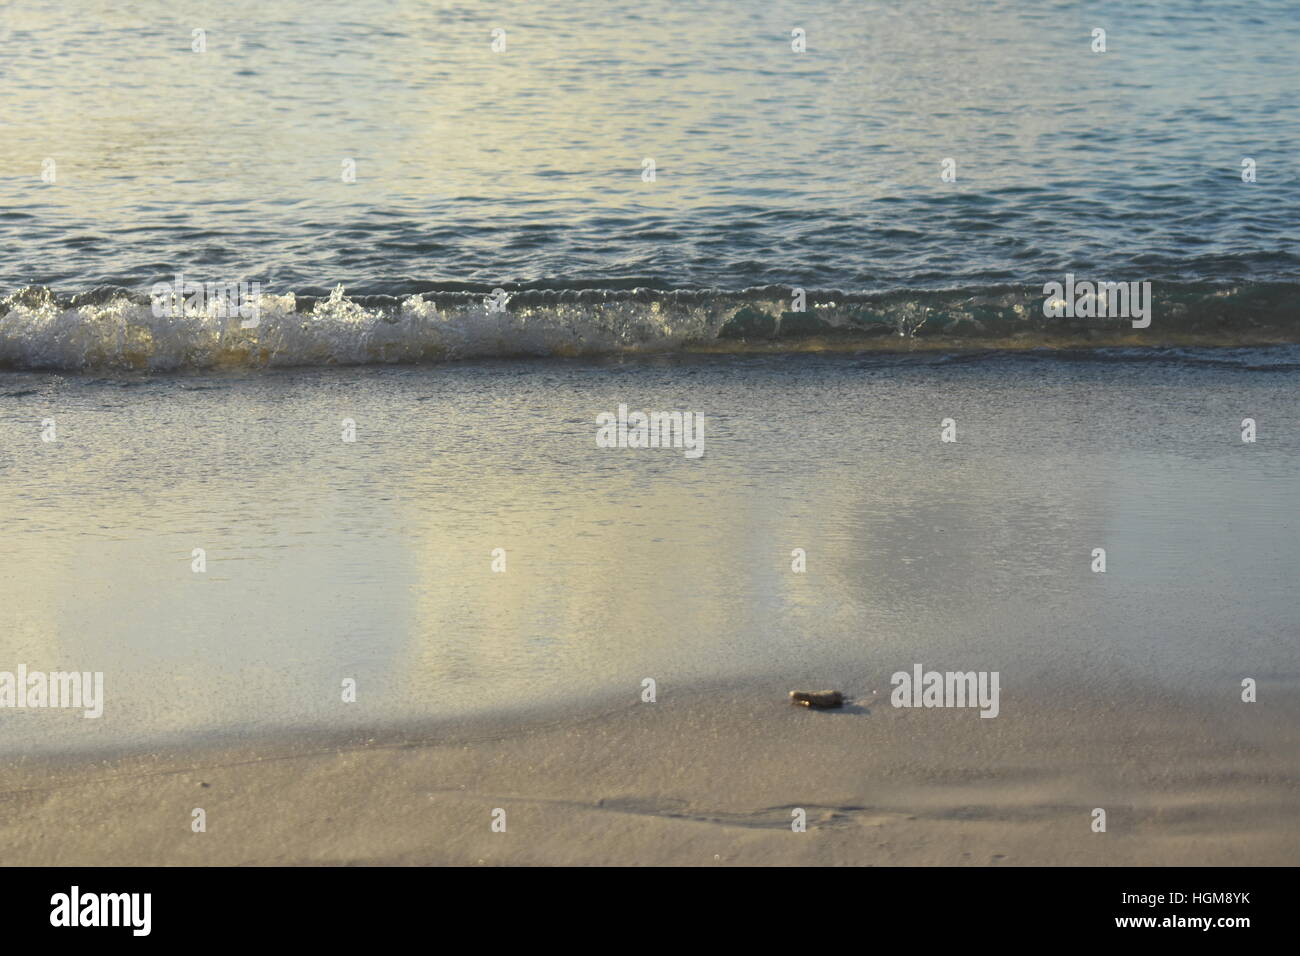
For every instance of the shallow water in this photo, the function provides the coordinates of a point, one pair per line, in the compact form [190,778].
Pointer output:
[372,560]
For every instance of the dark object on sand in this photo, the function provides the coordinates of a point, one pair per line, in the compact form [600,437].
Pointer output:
[817,698]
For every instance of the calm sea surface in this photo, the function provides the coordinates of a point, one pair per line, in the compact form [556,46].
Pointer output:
[820,169]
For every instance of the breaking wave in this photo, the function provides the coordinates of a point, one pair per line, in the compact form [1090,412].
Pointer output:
[114,328]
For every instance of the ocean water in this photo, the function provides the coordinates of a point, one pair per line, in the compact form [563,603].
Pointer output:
[523,170]
[378,170]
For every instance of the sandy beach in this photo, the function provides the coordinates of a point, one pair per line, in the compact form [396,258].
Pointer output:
[704,777]
[373,565]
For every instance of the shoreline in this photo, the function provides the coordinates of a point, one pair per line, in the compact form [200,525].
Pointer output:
[1073,347]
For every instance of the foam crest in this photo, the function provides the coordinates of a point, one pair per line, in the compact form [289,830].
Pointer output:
[120,329]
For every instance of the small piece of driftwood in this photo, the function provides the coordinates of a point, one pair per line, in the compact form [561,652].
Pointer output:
[817,698]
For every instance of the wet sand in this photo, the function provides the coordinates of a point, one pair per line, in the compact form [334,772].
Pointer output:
[332,564]
[704,777]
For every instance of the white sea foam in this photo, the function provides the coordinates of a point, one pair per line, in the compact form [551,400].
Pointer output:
[114,329]
[125,334]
